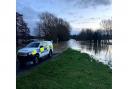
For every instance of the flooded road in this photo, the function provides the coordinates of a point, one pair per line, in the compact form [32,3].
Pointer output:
[102,52]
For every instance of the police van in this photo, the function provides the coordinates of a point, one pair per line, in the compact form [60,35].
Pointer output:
[35,51]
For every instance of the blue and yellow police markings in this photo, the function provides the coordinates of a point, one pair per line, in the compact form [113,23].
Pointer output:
[34,52]
[42,49]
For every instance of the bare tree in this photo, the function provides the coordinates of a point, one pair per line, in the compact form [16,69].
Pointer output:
[106,24]
[21,27]
[22,31]
[52,28]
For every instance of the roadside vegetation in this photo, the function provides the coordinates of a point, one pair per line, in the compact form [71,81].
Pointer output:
[70,70]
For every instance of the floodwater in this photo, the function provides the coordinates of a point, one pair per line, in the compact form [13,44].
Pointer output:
[102,52]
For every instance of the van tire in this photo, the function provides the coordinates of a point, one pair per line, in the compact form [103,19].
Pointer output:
[50,54]
[36,59]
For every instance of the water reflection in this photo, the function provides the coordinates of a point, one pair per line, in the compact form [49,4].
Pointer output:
[100,51]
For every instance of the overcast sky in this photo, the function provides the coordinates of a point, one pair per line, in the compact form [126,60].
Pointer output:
[79,13]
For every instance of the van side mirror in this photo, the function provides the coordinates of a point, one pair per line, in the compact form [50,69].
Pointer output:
[41,46]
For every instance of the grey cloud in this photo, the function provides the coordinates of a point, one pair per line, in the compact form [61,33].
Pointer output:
[94,18]
[89,3]
[29,15]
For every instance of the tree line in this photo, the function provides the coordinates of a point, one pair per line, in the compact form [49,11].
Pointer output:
[95,36]
[98,35]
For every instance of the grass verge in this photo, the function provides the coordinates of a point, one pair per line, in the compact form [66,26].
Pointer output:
[69,70]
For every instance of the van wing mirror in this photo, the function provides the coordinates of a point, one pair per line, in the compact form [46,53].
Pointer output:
[41,46]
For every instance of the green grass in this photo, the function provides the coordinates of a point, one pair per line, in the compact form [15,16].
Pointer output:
[69,70]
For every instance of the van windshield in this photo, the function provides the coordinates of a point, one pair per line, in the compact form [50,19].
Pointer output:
[33,45]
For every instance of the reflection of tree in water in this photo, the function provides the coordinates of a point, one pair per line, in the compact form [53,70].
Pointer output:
[96,47]
[100,50]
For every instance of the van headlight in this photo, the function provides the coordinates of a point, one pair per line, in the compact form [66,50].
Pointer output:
[29,53]
[22,54]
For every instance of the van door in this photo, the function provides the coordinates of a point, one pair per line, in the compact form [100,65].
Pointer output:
[44,50]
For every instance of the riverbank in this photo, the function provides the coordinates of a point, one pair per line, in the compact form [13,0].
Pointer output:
[69,70]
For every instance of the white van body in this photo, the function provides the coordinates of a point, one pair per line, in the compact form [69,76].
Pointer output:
[25,54]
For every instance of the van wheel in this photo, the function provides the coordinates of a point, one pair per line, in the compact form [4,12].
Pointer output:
[50,54]
[36,59]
